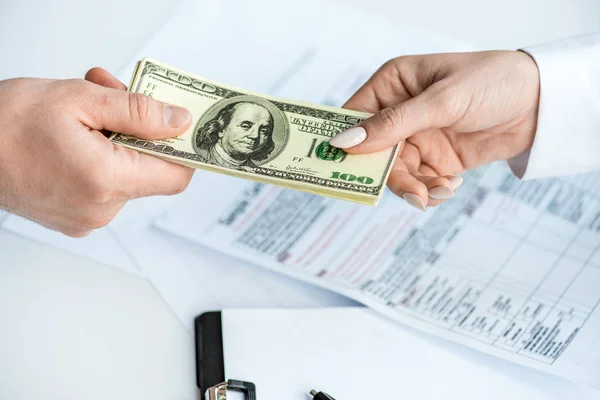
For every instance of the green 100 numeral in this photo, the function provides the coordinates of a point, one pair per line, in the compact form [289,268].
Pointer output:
[351,178]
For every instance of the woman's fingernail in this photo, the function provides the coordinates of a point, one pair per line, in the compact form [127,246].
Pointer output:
[414,201]
[441,193]
[348,138]
[456,181]
[176,117]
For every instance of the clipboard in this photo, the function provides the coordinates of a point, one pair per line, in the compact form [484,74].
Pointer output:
[352,354]
[210,366]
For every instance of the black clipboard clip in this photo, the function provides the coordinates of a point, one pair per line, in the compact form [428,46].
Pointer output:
[209,361]
[219,392]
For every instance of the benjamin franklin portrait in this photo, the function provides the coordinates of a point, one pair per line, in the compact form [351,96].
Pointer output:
[239,132]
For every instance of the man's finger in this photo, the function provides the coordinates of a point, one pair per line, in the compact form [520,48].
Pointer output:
[132,114]
[102,77]
[142,175]
[393,124]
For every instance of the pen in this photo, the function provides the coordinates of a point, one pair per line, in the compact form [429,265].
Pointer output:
[320,395]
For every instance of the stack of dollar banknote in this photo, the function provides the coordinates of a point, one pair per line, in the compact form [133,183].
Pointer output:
[260,137]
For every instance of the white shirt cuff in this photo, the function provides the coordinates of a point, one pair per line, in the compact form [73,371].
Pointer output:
[567,139]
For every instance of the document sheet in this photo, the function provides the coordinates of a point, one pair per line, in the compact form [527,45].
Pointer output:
[508,267]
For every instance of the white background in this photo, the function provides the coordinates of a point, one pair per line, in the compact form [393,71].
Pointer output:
[71,329]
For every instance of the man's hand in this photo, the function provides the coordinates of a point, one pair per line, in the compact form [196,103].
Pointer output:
[56,166]
[450,113]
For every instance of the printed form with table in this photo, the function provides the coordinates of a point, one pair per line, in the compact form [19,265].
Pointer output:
[508,268]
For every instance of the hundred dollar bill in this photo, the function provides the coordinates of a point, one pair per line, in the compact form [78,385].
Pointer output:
[260,137]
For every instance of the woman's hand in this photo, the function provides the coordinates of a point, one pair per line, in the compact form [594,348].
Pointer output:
[58,169]
[450,113]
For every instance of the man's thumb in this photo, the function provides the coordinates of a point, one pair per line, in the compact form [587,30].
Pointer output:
[389,126]
[136,114]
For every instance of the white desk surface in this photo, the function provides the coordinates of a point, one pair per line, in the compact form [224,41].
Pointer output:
[72,329]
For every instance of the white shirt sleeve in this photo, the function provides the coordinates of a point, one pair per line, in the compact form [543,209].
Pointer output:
[567,140]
